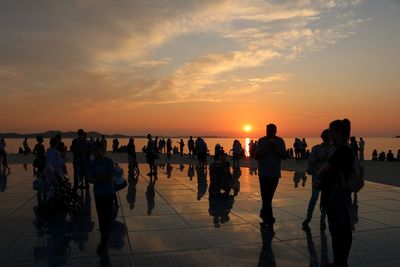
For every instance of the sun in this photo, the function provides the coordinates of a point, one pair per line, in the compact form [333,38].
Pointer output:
[247,128]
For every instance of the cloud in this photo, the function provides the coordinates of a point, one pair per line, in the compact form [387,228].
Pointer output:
[88,53]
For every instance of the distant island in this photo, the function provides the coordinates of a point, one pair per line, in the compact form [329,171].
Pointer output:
[94,134]
[69,134]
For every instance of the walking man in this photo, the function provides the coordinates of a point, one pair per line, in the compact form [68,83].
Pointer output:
[269,153]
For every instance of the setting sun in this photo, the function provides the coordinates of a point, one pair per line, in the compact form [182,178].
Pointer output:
[247,128]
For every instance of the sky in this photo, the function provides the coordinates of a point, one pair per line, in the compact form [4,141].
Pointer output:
[201,67]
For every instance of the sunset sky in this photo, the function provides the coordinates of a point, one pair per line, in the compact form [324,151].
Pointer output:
[200,66]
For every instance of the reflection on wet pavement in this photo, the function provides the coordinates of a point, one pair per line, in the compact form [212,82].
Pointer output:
[181,218]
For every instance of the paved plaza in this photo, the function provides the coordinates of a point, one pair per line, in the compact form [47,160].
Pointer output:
[169,222]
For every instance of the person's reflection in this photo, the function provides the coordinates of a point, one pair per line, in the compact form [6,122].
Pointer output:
[299,176]
[133,179]
[190,172]
[150,194]
[53,226]
[253,171]
[83,223]
[267,258]
[221,197]
[169,170]
[161,166]
[181,167]
[235,181]
[117,240]
[201,182]
[313,256]
[3,179]
[25,166]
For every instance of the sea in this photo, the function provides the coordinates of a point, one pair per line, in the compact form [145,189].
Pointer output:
[371,143]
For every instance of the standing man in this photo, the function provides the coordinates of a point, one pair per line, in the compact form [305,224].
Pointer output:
[191,147]
[151,155]
[80,149]
[361,146]
[269,153]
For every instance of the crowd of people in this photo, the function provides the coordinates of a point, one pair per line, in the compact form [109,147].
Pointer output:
[331,165]
[382,156]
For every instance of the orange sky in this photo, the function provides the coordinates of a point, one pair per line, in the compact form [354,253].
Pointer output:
[185,67]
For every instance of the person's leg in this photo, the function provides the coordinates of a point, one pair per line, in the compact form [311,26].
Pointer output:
[76,174]
[341,235]
[311,204]
[104,212]
[267,187]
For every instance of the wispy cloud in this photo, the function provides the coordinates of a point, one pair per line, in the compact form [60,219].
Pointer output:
[90,52]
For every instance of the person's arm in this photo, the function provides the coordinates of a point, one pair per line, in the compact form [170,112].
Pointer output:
[261,149]
[280,149]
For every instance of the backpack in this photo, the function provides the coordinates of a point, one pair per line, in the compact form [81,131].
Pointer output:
[356,178]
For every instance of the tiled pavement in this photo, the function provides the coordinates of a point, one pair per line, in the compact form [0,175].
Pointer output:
[180,230]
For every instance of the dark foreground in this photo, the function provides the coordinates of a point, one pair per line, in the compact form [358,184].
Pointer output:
[179,231]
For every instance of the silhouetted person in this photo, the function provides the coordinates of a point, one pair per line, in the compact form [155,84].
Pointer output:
[115,145]
[354,145]
[304,148]
[201,149]
[236,153]
[151,154]
[291,153]
[390,156]
[103,140]
[169,148]
[298,147]
[270,151]
[181,146]
[252,149]
[382,156]
[101,174]
[398,155]
[361,146]
[39,163]
[62,148]
[27,149]
[320,154]
[3,155]
[375,155]
[80,149]
[191,147]
[336,197]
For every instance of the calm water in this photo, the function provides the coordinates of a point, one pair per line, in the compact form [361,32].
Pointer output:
[379,143]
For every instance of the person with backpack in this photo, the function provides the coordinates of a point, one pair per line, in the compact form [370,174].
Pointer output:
[335,180]
[319,155]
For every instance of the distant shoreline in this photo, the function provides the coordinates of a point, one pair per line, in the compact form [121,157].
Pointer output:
[94,134]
